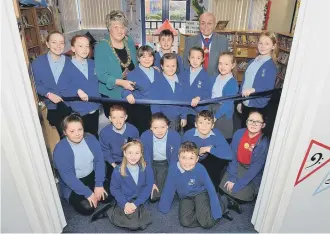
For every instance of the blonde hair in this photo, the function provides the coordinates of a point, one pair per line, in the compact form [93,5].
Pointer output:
[116,16]
[233,60]
[273,38]
[142,163]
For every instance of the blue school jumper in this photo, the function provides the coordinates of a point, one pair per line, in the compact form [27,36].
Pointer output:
[227,107]
[64,163]
[90,86]
[188,184]
[163,91]
[45,82]
[264,80]
[124,189]
[180,63]
[172,146]
[220,147]
[143,86]
[111,142]
[258,160]
[200,87]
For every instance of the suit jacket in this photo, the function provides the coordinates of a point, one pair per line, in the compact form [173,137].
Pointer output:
[219,44]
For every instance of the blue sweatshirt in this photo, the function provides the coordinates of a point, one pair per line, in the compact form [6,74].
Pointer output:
[172,146]
[201,87]
[124,189]
[64,163]
[157,62]
[264,80]
[111,142]
[90,86]
[45,82]
[143,86]
[163,91]
[227,107]
[258,160]
[220,147]
[188,184]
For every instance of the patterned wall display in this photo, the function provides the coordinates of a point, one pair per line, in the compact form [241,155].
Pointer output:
[133,13]
[257,15]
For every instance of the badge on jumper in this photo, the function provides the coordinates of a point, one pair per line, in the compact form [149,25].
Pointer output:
[246,145]
[191,182]
[199,85]
[171,149]
[206,51]
[125,141]
[263,73]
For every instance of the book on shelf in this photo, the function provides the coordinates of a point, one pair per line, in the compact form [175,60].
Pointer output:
[283,57]
[242,65]
[253,39]
[289,44]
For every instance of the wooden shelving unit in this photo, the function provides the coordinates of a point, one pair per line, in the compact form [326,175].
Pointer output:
[284,47]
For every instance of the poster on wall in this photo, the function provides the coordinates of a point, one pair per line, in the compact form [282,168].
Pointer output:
[198,7]
[192,27]
[134,21]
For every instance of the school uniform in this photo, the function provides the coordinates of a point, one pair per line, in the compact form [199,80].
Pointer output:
[84,77]
[144,79]
[219,155]
[167,89]
[199,203]
[249,160]
[160,153]
[223,111]
[54,77]
[196,84]
[134,187]
[160,54]
[112,140]
[81,169]
[260,75]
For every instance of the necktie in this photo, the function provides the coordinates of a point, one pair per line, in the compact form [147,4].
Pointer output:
[206,55]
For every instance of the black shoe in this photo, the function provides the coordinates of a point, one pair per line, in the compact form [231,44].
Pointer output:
[227,215]
[233,205]
[100,212]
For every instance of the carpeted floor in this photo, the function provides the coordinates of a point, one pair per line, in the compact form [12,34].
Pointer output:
[161,223]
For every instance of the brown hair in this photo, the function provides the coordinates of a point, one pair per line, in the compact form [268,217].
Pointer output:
[117,108]
[145,48]
[73,117]
[74,38]
[52,33]
[166,33]
[159,116]
[273,38]
[189,147]
[196,48]
[169,56]
[142,163]
[233,60]
[205,114]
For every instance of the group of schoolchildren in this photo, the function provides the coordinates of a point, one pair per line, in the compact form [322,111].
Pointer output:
[174,149]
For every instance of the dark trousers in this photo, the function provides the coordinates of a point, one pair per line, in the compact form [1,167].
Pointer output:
[56,116]
[139,116]
[190,122]
[214,167]
[79,202]
[91,123]
[160,169]
[195,211]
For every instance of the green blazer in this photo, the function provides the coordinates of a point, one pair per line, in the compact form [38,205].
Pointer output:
[108,67]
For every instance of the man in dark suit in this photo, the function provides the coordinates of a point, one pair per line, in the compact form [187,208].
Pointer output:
[212,43]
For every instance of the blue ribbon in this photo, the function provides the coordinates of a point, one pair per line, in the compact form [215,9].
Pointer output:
[237,97]
[207,44]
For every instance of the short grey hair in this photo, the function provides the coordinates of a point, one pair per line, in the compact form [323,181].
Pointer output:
[116,16]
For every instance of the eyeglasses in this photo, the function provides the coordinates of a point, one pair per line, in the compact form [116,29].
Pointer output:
[252,122]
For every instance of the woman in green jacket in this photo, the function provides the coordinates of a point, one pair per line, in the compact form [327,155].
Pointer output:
[115,56]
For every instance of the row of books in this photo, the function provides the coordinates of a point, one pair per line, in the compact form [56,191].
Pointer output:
[281,72]
[283,57]
[285,42]
[247,39]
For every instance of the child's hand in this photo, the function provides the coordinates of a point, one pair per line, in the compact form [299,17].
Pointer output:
[113,165]
[154,187]
[229,186]
[247,92]
[205,149]
[92,200]
[130,98]
[183,123]
[194,101]
[239,108]
[83,96]
[128,209]
[54,98]
[100,193]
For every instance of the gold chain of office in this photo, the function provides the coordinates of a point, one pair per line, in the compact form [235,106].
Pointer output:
[124,65]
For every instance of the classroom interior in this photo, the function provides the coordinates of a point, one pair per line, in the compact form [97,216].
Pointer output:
[241,21]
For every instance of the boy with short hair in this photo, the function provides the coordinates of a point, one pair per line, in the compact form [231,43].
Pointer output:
[199,203]
[213,149]
[166,39]
[114,136]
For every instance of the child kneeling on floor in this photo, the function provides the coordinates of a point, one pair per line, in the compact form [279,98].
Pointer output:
[199,203]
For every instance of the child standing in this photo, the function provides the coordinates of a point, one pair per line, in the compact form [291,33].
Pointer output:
[166,39]
[144,77]
[221,86]
[214,151]
[87,84]
[196,83]
[199,203]
[114,136]
[170,87]
[259,76]
[161,146]
[131,185]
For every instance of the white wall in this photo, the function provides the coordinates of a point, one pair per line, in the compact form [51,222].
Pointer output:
[281,13]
